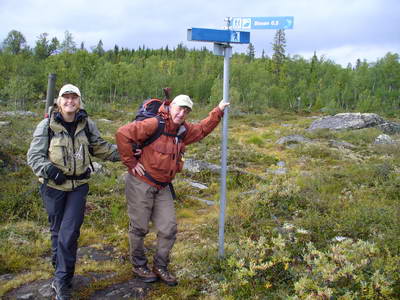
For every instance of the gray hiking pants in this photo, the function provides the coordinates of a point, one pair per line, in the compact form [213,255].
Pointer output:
[146,203]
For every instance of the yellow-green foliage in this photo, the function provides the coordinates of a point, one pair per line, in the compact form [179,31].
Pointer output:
[347,270]
[257,267]
[21,244]
[327,228]
[256,140]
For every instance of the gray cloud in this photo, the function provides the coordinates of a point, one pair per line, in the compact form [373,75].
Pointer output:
[336,27]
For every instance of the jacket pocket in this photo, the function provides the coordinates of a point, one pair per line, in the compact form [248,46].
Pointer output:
[58,152]
[164,157]
[81,153]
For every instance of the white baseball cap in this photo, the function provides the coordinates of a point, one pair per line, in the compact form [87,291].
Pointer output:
[183,100]
[69,89]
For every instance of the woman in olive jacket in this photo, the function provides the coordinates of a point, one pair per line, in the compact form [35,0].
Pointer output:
[59,155]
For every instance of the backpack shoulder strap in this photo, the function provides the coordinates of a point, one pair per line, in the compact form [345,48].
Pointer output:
[159,131]
[87,131]
[88,135]
[50,134]
[181,133]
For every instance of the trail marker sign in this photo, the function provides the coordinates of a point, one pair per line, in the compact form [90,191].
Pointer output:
[218,36]
[250,23]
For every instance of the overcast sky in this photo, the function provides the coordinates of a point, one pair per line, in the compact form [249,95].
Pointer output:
[340,30]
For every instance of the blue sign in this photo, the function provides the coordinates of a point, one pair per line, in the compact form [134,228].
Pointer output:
[248,23]
[218,36]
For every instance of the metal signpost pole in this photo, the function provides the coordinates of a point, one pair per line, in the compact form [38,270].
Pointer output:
[224,154]
[222,40]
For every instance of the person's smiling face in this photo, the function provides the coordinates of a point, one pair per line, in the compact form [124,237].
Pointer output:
[69,103]
[179,113]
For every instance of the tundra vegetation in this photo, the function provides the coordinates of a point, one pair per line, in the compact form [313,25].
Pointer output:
[327,228]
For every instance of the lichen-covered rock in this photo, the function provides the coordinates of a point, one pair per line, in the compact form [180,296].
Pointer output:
[341,144]
[383,139]
[292,139]
[196,166]
[347,121]
[389,127]
[19,113]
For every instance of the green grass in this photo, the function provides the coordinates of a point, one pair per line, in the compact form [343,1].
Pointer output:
[280,230]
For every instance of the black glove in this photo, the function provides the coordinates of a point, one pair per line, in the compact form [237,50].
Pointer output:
[87,173]
[56,174]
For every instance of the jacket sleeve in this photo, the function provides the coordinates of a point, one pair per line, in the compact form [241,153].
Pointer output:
[134,133]
[101,148]
[37,156]
[200,130]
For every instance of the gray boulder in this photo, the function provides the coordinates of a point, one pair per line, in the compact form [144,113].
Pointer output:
[196,166]
[279,171]
[196,185]
[99,168]
[292,139]
[341,144]
[19,113]
[208,202]
[389,127]
[5,123]
[384,139]
[347,121]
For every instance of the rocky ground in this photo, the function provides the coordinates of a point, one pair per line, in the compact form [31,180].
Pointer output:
[41,289]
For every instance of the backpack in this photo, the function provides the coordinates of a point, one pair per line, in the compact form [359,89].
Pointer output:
[149,109]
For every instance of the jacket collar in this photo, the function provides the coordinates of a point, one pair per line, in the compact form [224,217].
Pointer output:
[56,120]
[79,116]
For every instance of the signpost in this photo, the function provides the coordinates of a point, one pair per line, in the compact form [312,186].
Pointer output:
[218,36]
[222,40]
[250,23]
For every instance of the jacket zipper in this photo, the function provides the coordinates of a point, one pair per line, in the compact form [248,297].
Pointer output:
[73,155]
[84,154]
[64,154]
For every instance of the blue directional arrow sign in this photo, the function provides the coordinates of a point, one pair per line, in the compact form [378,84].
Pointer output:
[249,23]
[218,36]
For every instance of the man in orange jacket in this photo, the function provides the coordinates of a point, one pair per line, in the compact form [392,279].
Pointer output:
[147,187]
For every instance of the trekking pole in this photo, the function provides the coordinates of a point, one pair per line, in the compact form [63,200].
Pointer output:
[51,83]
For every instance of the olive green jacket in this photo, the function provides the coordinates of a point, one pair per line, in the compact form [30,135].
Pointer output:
[70,155]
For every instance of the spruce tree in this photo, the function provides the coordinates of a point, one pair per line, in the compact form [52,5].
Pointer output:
[251,51]
[279,49]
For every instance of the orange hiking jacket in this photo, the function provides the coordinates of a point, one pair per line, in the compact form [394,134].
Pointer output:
[162,159]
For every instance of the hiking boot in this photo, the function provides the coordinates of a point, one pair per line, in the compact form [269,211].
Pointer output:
[144,273]
[62,290]
[165,275]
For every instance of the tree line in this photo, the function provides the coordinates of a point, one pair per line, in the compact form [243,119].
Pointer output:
[120,74]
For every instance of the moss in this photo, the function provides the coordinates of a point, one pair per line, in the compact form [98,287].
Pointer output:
[325,194]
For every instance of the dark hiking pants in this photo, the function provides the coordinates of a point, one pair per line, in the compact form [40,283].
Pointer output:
[65,213]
